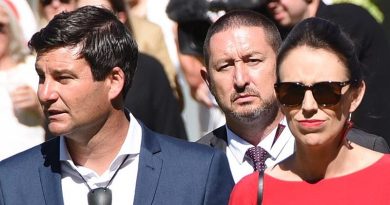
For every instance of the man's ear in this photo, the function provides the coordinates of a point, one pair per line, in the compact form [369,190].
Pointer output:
[205,76]
[116,80]
[357,96]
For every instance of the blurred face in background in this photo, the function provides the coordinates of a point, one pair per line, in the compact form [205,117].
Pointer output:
[287,13]
[53,7]
[107,4]
[4,38]
[99,3]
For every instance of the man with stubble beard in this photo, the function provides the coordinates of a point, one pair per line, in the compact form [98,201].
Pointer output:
[240,58]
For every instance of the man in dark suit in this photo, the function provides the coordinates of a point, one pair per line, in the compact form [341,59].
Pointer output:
[240,58]
[85,61]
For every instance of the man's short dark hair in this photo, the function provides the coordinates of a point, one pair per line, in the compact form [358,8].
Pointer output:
[104,41]
[240,18]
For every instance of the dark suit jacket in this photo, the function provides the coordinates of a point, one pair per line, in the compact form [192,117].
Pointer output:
[171,171]
[218,139]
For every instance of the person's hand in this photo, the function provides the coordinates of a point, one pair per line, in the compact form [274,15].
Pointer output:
[202,94]
[25,102]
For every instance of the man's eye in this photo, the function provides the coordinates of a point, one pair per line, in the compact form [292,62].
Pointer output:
[222,67]
[64,78]
[225,66]
[253,61]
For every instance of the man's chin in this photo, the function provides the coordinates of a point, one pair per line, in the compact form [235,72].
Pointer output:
[57,130]
[248,116]
[254,114]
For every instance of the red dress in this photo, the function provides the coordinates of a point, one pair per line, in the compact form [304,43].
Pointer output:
[368,186]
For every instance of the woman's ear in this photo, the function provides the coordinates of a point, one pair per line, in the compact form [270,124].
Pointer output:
[116,81]
[357,96]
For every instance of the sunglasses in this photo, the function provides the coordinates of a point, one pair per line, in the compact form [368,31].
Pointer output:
[48,2]
[326,94]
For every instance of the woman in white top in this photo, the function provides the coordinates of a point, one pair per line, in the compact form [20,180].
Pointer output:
[21,116]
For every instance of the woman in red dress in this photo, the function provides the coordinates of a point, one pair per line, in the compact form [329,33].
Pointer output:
[320,83]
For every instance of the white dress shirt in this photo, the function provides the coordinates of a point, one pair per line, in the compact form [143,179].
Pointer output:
[75,190]
[240,165]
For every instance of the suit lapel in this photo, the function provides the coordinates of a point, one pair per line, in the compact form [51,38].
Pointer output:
[149,168]
[50,173]
[219,140]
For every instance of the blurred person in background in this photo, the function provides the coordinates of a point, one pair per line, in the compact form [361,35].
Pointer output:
[21,117]
[154,11]
[373,50]
[150,39]
[45,10]
[25,17]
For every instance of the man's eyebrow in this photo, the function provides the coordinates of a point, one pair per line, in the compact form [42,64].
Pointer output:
[224,60]
[61,71]
[247,55]
[253,52]
[56,71]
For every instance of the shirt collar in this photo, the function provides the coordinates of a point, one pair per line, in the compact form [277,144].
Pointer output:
[239,146]
[131,145]
[282,141]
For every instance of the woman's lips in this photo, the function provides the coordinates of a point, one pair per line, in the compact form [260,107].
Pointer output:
[311,123]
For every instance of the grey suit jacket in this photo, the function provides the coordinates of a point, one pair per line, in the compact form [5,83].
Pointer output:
[218,139]
[170,171]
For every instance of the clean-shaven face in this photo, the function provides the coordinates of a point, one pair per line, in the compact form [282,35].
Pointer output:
[71,99]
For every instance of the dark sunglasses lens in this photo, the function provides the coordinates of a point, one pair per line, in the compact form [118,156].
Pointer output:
[290,94]
[327,93]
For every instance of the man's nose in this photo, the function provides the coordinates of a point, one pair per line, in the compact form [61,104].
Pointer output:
[47,92]
[241,77]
